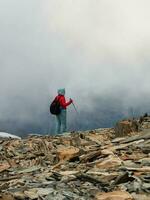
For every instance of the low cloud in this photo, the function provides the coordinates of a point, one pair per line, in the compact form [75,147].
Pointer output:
[95,49]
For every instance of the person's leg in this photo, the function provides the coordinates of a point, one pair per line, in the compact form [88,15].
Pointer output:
[63,121]
[58,124]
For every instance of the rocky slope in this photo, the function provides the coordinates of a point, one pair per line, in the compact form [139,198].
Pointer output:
[78,166]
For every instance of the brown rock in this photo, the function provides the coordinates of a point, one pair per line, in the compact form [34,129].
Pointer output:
[110,162]
[31,194]
[4,166]
[67,153]
[125,127]
[19,195]
[6,197]
[116,195]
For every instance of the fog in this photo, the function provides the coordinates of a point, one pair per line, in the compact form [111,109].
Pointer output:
[98,50]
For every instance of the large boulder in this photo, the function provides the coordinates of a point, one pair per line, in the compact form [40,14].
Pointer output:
[125,127]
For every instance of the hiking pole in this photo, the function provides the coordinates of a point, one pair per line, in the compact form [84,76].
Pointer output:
[74,107]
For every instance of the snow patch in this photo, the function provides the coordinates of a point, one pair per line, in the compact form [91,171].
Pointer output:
[8,135]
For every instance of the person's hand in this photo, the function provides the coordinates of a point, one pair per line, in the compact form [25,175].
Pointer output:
[71,101]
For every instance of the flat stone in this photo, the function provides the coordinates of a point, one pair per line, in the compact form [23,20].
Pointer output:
[67,153]
[67,173]
[6,197]
[32,194]
[55,196]
[116,195]
[141,196]
[30,169]
[129,163]
[70,195]
[4,166]
[146,187]
[110,162]
[19,195]
[116,140]
[44,191]
[145,161]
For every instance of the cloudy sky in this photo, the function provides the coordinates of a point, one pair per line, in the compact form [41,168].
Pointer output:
[93,48]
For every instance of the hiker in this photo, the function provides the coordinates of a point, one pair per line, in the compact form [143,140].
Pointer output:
[61,124]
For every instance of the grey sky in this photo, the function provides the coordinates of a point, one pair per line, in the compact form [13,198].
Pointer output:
[91,47]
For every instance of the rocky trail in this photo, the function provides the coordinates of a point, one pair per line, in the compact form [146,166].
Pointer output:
[102,164]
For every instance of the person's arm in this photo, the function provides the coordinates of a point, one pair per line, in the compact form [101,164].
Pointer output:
[64,103]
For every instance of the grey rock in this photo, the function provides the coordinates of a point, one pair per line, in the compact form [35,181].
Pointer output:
[55,196]
[146,187]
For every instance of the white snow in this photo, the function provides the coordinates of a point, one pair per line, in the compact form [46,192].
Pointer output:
[8,135]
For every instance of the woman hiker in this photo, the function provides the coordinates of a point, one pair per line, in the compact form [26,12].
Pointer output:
[61,124]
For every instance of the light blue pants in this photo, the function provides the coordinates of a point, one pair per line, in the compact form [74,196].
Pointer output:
[61,124]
